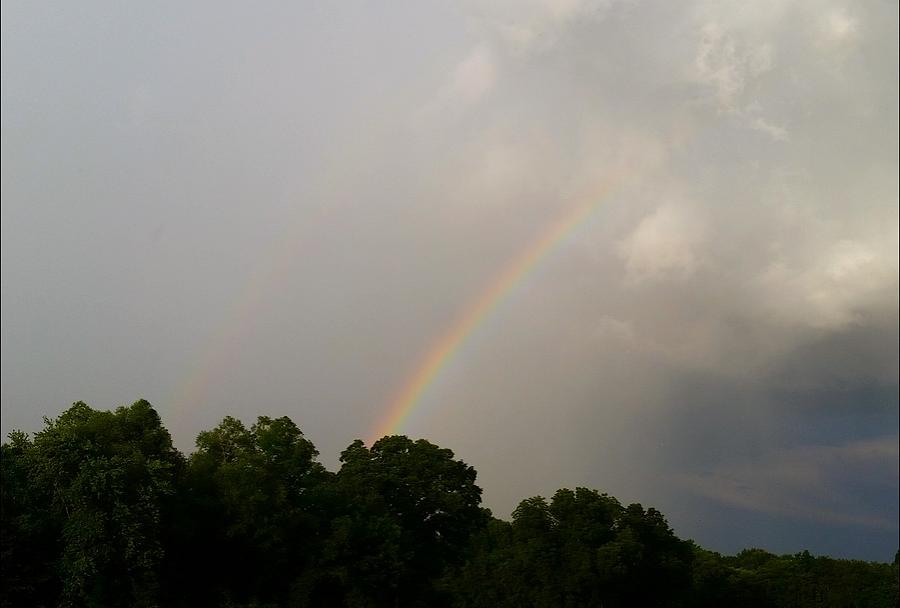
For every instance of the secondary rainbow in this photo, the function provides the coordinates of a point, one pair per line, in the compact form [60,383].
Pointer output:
[222,349]
[448,344]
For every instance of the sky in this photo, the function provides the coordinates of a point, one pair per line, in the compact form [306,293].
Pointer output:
[279,208]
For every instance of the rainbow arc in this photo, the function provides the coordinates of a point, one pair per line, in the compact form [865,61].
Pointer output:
[445,348]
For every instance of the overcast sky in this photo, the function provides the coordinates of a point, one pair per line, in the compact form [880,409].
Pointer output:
[251,208]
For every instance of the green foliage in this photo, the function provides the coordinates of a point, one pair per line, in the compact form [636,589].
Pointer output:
[103,477]
[98,509]
[801,580]
[249,496]
[581,549]
[405,511]
[29,533]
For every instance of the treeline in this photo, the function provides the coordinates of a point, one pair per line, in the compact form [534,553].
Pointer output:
[99,509]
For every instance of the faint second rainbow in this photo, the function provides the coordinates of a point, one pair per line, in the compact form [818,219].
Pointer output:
[448,344]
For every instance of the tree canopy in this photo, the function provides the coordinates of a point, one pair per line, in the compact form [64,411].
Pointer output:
[99,509]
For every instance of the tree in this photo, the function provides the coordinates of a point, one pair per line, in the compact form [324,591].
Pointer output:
[580,549]
[643,549]
[249,513]
[98,509]
[29,532]
[406,510]
[105,475]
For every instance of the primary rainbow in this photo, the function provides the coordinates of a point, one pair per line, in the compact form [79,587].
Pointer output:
[447,345]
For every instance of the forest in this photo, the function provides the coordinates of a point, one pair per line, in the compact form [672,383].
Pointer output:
[99,509]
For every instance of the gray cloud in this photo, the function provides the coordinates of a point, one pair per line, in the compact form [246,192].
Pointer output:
[803,482]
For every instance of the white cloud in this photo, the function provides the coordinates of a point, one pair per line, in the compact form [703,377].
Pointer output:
[838,27]
[470,81]
[666,244]
[728,66]
[776,132]
[832,290]
[719,65]
[474,76]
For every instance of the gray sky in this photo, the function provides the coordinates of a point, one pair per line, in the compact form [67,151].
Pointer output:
[276,209]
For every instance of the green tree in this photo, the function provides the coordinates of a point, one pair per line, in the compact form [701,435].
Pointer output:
[580,549]
[407,510]
[644,549]
[29,532]
[98,509]
[106,475]
[249,514]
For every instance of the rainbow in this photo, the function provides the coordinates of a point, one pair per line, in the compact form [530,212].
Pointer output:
[223,347]
[443,350]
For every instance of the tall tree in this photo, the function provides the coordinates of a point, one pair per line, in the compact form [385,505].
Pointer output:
[249,515]
[643,549]
[106,475]
[407,510]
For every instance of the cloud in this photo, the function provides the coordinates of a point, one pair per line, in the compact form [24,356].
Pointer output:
[471,79]
[666,244]
[534,27]
[838,27]
[809,482]
[719,66]
[776,132]
[833,290]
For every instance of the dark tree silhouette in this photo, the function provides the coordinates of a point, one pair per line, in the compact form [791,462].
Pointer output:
[98,509]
